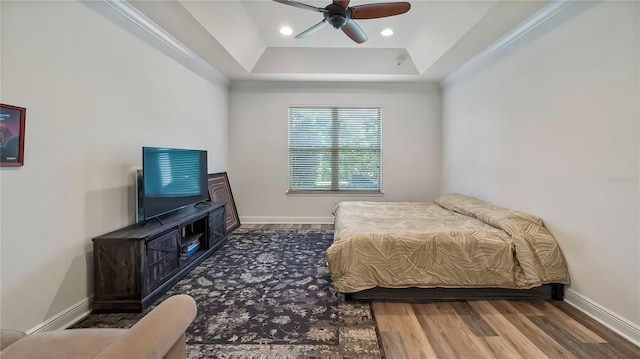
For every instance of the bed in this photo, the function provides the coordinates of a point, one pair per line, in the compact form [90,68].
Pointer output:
[459,246]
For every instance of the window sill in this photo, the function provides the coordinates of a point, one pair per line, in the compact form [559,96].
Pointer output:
[335,193]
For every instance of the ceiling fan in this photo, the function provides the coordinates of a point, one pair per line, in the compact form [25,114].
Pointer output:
[341,16]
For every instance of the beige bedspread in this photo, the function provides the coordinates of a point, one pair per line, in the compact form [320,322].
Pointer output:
[426,244]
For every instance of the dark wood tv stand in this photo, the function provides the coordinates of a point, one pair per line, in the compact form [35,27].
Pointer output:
[135,265]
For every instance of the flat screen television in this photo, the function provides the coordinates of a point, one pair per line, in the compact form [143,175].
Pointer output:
[172,178]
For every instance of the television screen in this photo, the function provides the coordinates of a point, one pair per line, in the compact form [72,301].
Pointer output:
[172,178]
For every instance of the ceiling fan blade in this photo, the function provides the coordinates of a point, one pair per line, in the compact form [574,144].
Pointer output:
[311,30]
[374,11]
[343,3]
[354,31]
[301,5]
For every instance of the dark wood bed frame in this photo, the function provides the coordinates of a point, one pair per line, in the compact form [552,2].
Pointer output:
[553,291]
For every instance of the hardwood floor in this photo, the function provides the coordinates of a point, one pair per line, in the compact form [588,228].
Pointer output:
[490,329]
[495,329]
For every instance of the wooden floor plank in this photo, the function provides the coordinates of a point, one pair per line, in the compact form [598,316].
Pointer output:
[564,338]
[452,329]
[437,335]
[607,351]
[502,348]
[393,344]
[526,308]
[537,336]
[476,324]
[622,346]
[571,325]
[507,330]
[397,321]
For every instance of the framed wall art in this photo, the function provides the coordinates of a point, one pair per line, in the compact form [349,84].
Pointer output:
[12,119]
[220,191]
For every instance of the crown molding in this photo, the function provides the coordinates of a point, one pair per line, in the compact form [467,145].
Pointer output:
[535,20]
[151,31]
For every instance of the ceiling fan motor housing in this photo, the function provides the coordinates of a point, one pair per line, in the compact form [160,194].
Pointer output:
[336,15]
[341,16]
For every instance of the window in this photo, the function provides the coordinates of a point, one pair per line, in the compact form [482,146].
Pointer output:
[334,149]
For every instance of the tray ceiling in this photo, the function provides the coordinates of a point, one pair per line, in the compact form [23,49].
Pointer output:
[241,38]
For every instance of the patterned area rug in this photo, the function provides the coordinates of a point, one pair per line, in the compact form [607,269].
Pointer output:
[268,294]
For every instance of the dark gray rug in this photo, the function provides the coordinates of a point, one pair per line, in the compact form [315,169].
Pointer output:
[268,294]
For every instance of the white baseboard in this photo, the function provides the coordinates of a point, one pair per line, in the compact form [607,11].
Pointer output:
[286,220]
[66,318]
[606,317]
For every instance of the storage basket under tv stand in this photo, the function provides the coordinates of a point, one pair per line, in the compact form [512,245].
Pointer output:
[136,265]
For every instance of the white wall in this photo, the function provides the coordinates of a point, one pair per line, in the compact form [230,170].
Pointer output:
[94,95]
[258,145]
[550,126]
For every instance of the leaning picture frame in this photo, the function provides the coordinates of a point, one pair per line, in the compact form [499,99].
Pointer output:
[220,191]
[12,124]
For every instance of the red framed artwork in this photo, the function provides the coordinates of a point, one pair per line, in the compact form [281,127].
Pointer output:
[12,119]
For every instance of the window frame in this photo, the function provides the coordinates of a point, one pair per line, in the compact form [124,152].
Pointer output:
[334,149]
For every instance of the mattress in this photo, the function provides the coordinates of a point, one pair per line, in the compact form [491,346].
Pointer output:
[456,241]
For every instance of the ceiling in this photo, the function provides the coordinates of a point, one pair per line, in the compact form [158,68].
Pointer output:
[241,38]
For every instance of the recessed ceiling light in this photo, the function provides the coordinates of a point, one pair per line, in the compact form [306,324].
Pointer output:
[285,30]
[386,32]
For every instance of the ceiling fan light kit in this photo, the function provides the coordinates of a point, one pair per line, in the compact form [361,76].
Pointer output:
[339,15]
[285,30]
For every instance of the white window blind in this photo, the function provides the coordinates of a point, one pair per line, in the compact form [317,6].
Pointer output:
[334,149]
